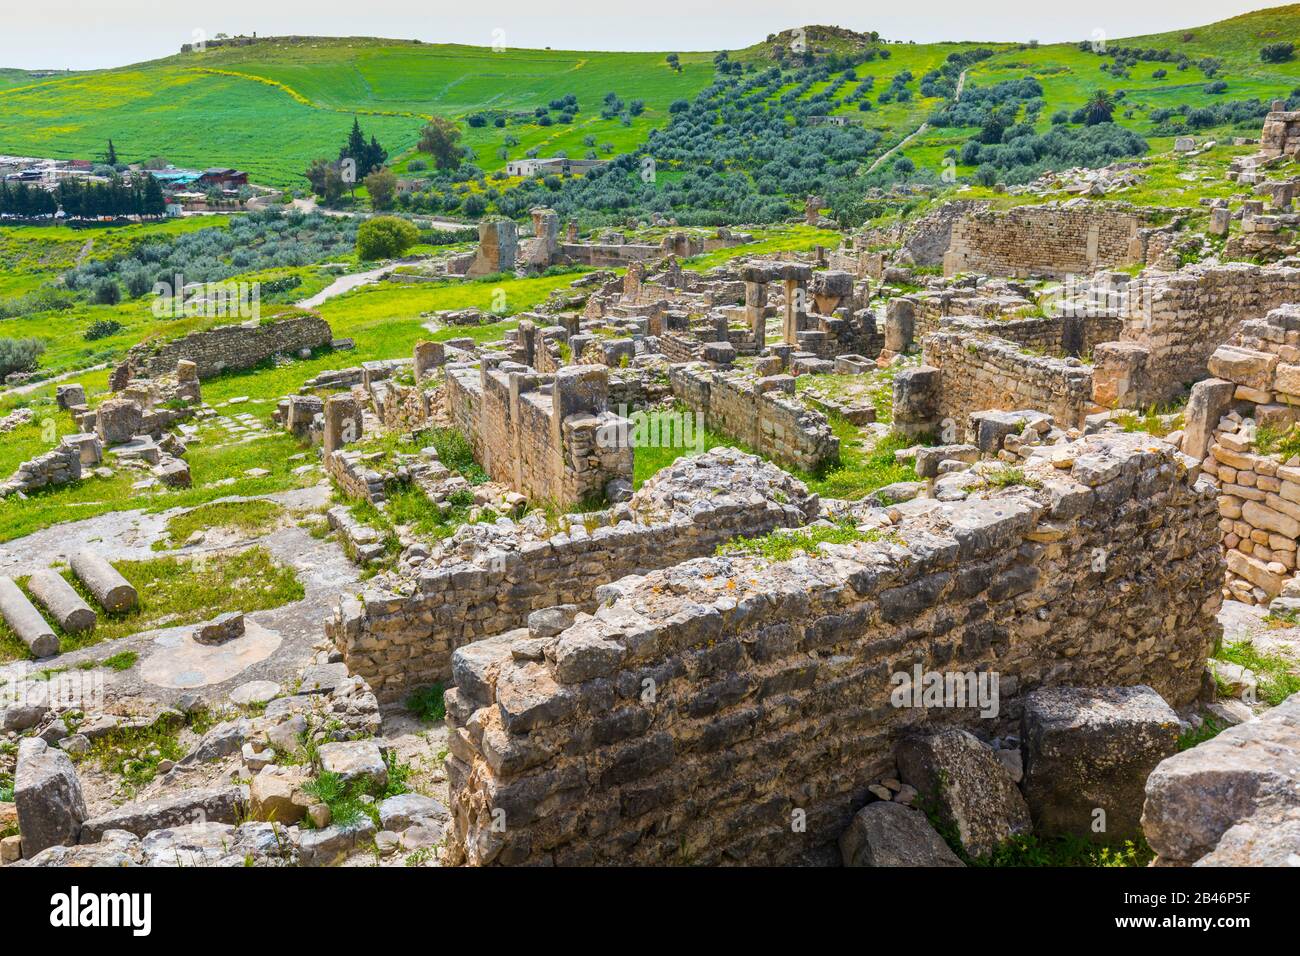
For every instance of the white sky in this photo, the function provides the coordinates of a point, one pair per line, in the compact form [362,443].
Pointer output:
[86,34]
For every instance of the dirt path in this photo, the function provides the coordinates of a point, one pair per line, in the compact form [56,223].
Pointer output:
[920,130]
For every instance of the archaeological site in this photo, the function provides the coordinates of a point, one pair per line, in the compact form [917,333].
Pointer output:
[484,506]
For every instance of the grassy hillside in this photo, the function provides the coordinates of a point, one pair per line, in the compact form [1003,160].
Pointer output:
[273,106]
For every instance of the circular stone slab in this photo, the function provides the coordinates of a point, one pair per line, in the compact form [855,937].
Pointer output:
[180,663]
[255,692]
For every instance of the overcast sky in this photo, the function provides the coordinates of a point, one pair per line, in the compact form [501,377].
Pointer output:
[86,34]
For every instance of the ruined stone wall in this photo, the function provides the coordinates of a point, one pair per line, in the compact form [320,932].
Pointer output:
[607,256]
[550,437]
[690,719]
[463,396]
[1174,321]
[768,422]
[982,372]
[1051,239]
[1280,135]
[229,347]
[1255,392]
[401,642]
[58,467]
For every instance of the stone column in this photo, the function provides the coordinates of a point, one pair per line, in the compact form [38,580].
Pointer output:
[795,276]
[342,422]
[900,325]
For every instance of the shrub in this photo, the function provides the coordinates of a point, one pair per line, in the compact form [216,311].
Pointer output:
[19,355]
[1276,52]
[385,237]
[101,329]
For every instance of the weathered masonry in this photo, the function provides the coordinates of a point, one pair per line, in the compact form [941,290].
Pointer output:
[403,641]
[976,364]
[704,707]
[1076,237]
[550,437]
[758,412]
[226,347]
[1174,321]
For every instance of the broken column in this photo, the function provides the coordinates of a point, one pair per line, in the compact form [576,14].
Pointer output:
[900,326]
[25,621]
[916,400]
[115,594]
[632,280]
[342,422]
[756,279]
[62,601]
[812,210]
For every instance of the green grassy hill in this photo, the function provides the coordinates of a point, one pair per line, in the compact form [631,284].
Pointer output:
[273,106]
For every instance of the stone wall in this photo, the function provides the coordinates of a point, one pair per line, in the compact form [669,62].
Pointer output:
[228,347]
[1280,135]
[1076,237]
[769,422]
[979,372]
[1256,387]
[706,709]
[549,437]
[399,642]
[1174,321]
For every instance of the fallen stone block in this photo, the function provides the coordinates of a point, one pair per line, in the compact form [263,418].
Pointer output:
[890,834]
[1087,754]
[355,760]
[1244,776]
[47,793]
[209,805]
[969,787]
[326,847]
[223,628]
[276,794]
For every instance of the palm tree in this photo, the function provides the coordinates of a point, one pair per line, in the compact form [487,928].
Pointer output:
[1098,108]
